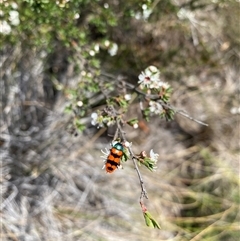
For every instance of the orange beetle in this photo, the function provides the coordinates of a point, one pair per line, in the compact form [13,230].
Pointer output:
[114,158]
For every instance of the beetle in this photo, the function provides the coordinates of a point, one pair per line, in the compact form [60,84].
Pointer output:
[114,157]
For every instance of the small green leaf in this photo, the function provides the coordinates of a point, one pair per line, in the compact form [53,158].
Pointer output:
[68,109]
[146,114]
[81,127]
[132,122]
[150,221]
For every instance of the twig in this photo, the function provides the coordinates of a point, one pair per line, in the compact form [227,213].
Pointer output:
[157,98]
[144,192]
[116,134]
[183,113]
[190,118]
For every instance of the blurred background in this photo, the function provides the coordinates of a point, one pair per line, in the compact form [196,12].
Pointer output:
[52,183]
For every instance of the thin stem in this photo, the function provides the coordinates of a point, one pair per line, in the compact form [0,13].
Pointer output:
[156,97]
[183,113]
[190,118]
[144,192]
[116,134]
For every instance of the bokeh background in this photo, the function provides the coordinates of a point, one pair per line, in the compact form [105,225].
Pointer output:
[52,184]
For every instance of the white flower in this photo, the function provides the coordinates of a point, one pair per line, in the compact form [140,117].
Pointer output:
[159,84]
[107,43]
[127,97]
[76,16]
[235,110]
[165,85]
[113,50]
[14,5]
[80,103]
[156,84]
[5,28]
[110,122]
[89,75]
[95,120]
[94,117]
[83,73]
[150,78]
[92,52]
[96,48]
[154,156]
[155,107]
[146,12]
[14,17]
[106,5]
[135,126]
[127,144]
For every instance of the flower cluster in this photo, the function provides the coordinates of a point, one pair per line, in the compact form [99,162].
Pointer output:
[157,94]
[155,107]
[99,120]
[148,161]
[150,78]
